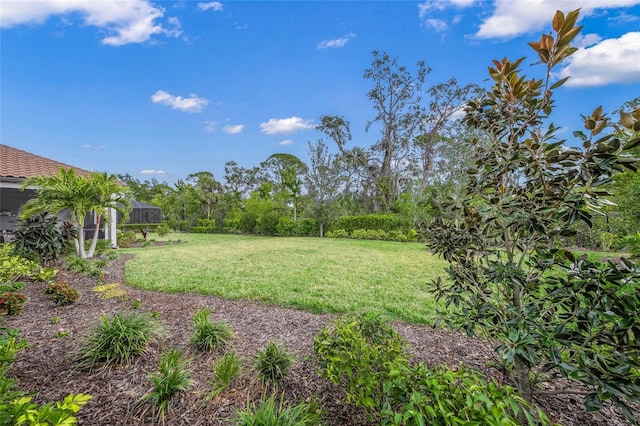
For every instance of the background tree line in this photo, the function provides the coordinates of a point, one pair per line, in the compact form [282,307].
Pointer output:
[418,162]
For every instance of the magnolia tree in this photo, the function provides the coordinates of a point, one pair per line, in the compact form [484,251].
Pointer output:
[549,311]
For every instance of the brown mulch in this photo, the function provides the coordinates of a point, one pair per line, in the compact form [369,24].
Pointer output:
[50,367]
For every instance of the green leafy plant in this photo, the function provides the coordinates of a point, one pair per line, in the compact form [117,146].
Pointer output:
[118,339]
[358,353]
[209,335]
[13,287]
[41,238]
[45,275]
[12,304]
[163,230]
[631,243]
[225,371]
[127,239]
[171,378]
[15,406]
[24,412]
[62,293]
[273,363]
[420,395]
[270,412]
[13,267]
[509,276]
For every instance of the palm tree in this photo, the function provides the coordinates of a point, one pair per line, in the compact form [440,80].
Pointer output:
[108,193]
[79,196]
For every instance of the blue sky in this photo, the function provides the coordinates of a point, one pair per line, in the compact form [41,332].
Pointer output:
[165,89]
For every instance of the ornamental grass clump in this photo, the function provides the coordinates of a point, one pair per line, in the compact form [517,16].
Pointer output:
[209,335]
[270,412]
[273,363]
[171,378]
[225,371]
[118,339]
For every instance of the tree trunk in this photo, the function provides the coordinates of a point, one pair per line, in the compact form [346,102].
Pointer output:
[523,382]
[321,230]
[94,240]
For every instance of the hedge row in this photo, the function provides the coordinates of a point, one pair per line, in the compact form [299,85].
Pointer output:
[384,222]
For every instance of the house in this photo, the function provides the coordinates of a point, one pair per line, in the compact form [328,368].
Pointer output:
[16,166]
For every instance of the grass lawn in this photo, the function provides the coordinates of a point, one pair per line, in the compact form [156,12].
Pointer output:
[319,275]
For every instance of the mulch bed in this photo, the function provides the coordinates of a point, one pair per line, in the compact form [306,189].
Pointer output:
[50,367]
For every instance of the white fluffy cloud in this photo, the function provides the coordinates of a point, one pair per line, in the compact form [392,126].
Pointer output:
[233,129]
[613,60]
[216,6]
[124,21]
[152,172]
[286,142]
[191,104]
[425,8]
[285,126]
[513,18]
[437,24]
[336,43]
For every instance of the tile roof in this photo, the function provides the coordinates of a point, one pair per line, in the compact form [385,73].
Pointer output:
[16,163]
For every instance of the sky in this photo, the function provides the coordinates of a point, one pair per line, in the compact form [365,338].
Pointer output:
[164,89]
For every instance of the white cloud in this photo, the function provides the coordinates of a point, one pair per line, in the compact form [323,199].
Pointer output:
[429,5]
[152,172]
[513,18]
[613,60]
[285,126]
[89,146]
[336,43]
[191,104]
[285,142]
[437,24]
[124,21]
[210,126]
[586,40]
[233,129]
[216,6]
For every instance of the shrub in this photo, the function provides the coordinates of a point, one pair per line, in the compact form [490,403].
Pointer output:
[208,335]
[62,293]
[385,222]
[12,304]
[13,287]
[442,396]
[225,371]
[205,226]
[272,413]
[126,239]
[632,243]
[13,267]
[45,275]
[358,353]
[248,222]
[307,227]
[267,223]
[171,378]
[369,234]
[41,238]
[338,233]
[163,230]
[273,363]
[118,339]
[286,227]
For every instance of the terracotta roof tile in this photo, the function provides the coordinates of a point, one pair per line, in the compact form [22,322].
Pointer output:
[16,163]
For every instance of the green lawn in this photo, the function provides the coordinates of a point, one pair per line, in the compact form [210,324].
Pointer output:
[319,275]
